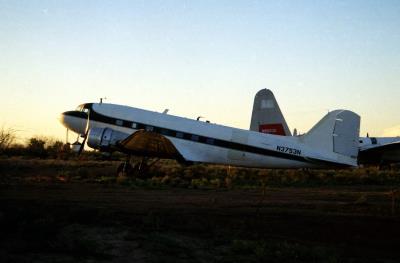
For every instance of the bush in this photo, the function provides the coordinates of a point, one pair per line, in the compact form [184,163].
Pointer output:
[15,150]
[36,148]
[7,138]
[39,147]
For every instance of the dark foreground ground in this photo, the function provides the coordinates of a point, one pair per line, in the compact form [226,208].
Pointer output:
[55,221]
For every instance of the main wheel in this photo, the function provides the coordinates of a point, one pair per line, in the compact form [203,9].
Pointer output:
[125,169]
[141,170]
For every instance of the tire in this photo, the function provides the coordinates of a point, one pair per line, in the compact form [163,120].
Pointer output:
[124,169]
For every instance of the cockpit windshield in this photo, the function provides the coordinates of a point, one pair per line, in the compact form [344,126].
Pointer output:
[82,108]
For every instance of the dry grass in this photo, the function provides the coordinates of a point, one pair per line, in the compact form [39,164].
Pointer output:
[170,173]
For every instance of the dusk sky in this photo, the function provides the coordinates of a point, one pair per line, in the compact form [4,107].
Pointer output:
[205,58]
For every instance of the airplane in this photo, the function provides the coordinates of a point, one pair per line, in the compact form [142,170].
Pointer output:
[268,118]
[332,142]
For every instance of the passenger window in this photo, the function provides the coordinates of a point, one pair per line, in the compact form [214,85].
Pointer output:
[179,135]
[149,128]
[134,125]
[164,132]
[119,122]
[195,138]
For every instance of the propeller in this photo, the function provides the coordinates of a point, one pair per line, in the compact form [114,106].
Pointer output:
[85,134]
[66,137]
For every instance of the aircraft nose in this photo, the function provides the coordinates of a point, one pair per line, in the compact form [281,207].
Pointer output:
[65,119]
[74,120]
[62,118]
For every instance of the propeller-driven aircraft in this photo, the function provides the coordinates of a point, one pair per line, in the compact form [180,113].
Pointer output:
[332,142]
[268,118]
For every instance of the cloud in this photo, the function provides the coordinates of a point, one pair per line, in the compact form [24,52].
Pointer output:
[392,131]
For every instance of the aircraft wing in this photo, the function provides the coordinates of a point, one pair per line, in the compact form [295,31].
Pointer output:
[387,152]
[149,144]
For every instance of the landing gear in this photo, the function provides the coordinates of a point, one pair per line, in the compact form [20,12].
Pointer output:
[125,169]
[136,169]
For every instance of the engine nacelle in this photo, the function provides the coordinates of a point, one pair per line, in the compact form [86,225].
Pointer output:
[104,139]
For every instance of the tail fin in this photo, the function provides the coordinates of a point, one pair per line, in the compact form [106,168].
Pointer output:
[267,116]
[337,132]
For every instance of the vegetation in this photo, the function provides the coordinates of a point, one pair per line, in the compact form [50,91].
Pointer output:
[92,168]
[7,138]
[43,148]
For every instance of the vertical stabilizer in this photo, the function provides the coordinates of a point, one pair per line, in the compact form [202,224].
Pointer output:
[267,116]
[337,132]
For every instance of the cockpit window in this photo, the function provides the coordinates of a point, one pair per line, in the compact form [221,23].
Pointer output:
[83,108]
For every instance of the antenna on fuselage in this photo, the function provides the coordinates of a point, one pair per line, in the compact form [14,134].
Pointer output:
[101,100]
[165,111]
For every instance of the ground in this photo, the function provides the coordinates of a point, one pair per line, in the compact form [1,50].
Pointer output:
[71,221]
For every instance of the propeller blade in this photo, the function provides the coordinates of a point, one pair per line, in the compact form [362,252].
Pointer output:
[66,138]
[83,144]
[87,123]
[86,134]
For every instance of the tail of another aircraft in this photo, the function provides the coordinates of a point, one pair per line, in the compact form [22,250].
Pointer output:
[337,132]
[267,116]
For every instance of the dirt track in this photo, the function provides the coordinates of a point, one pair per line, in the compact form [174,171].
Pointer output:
[348,223]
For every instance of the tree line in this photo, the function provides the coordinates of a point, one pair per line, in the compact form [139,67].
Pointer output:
[38,146]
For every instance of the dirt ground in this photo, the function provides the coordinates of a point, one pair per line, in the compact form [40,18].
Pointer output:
[75,211]
[72,222]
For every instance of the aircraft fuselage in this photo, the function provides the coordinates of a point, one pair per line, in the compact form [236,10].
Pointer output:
[202,141]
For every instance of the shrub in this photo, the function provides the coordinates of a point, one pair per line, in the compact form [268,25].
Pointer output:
[199,183]
[36,148]
[7,138]
[56,149]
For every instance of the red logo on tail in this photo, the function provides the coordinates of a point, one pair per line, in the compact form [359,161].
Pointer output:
[276,129]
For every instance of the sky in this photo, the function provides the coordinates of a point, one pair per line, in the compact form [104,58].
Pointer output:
[205,58]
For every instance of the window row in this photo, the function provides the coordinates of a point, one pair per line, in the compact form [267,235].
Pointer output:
[165,132]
